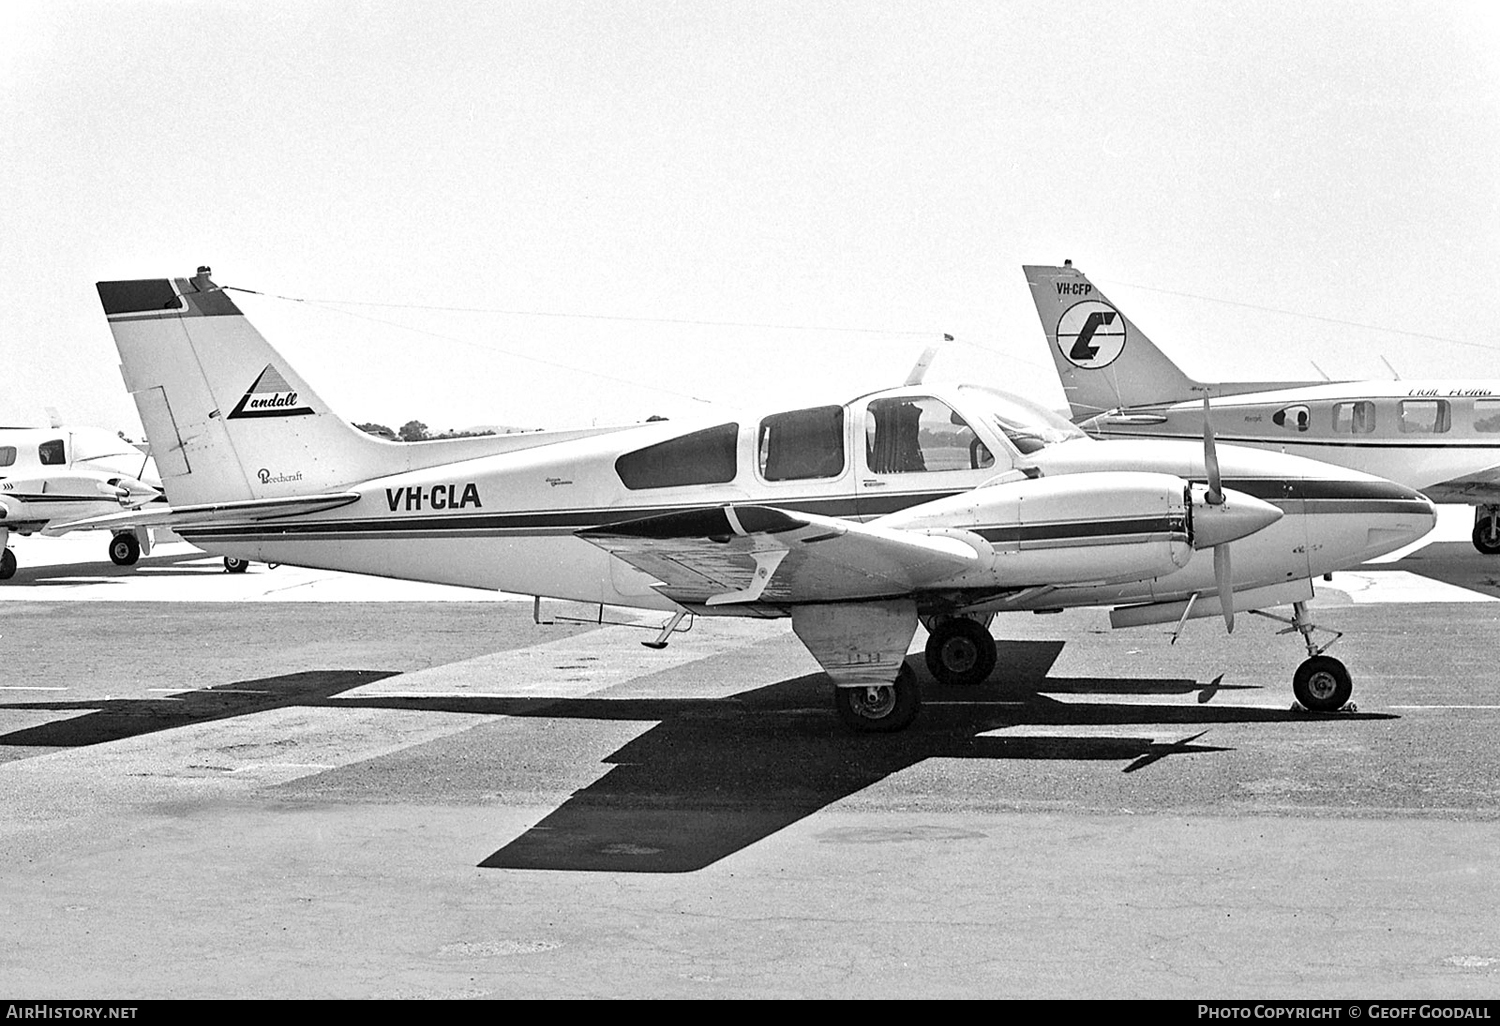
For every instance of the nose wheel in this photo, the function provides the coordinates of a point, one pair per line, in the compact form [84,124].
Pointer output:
[1322,683]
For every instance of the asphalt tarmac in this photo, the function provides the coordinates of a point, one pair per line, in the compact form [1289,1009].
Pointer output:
[295,784]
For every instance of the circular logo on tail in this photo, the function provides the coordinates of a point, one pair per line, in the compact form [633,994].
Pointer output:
[1091,334]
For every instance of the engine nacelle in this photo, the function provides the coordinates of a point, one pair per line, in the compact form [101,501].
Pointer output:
[1105,527]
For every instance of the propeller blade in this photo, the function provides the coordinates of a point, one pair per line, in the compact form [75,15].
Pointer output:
[1226,584]
[1215,495]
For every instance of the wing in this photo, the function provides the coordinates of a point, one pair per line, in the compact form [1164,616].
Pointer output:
[726,555]
[248,510]
[1482,486]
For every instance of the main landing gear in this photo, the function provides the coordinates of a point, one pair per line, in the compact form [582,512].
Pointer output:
[124,549]
[880,708]
[235,565]
[1321,683]
[7,565]
[960,650]
[1486,534]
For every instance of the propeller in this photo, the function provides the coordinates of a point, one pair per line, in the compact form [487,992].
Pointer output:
[1223,573]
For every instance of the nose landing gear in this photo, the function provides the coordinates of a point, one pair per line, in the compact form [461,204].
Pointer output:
[1321,683]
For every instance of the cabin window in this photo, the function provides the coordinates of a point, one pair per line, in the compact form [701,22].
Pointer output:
[1486,416]
[7,455]
[920,434]
[1293,418]
[51,453]
[703,457]
[802,444]
[1356,418]
[1424,416]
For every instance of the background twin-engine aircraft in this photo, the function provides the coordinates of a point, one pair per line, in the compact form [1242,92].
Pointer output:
[857,519]
[1441,437]
[55,475]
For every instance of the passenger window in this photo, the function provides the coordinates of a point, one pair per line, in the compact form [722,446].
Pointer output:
[1293,418]
[7,455]
[1356,418]
[904,436]
[51,453]
[802,444]
[703,457]
[1424,416]
[1486,416]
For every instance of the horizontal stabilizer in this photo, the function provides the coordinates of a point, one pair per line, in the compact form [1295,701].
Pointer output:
[746,553]
[238,512]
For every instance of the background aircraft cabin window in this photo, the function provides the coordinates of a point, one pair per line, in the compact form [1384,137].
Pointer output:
[51,453]
[7,455]
[1293,418]
[904,436]
[703,457]
[802,444]
[1424,416]
[1356,418]
[1486,415]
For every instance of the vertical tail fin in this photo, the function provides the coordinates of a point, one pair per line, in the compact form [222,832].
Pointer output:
[1104,361]
[227,418]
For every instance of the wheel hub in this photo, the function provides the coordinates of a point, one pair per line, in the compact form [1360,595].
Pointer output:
[1322,684]
[875,701]
[959,655]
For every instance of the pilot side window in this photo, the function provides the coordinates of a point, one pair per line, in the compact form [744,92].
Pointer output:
[51,453]
[7,455]
[802,444]
[913,435]
[1486,416]
[1424,416]
[1293,418]
[1356,418]
[703,457]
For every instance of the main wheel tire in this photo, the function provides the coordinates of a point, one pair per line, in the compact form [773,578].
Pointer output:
[7,565]
[880,708]
[235,565]
[1322,684]
[124,550]
[1486,536]
[960,652]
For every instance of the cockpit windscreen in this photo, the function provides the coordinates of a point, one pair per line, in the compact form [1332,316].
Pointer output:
[1029,426]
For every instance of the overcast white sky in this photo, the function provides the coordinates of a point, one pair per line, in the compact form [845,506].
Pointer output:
[830,166]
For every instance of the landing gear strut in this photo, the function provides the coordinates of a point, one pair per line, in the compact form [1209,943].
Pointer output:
[1321,683]
[880,708]
[960,651]
[1486,534]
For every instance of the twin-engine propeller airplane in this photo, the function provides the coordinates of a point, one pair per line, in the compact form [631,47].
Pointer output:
[52,476]
[856,519]
[1441,437]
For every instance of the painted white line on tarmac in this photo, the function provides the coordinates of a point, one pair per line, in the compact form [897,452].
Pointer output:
[1443,707]
[25,687]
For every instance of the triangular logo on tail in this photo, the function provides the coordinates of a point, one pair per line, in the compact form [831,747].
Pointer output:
[270,396]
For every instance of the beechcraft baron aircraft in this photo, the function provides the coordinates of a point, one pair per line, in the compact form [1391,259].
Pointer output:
[856,519]
[1440,437]
[52,476]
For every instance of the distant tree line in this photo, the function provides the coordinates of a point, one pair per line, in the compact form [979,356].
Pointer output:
[416,431]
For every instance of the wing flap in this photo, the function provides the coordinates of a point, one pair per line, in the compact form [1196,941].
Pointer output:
[746,553]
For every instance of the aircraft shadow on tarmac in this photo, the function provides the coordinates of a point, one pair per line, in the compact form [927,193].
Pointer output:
[194,564]
[1453,563]
[713,776]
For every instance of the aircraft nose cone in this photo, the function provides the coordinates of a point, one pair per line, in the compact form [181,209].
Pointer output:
[1237,516]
